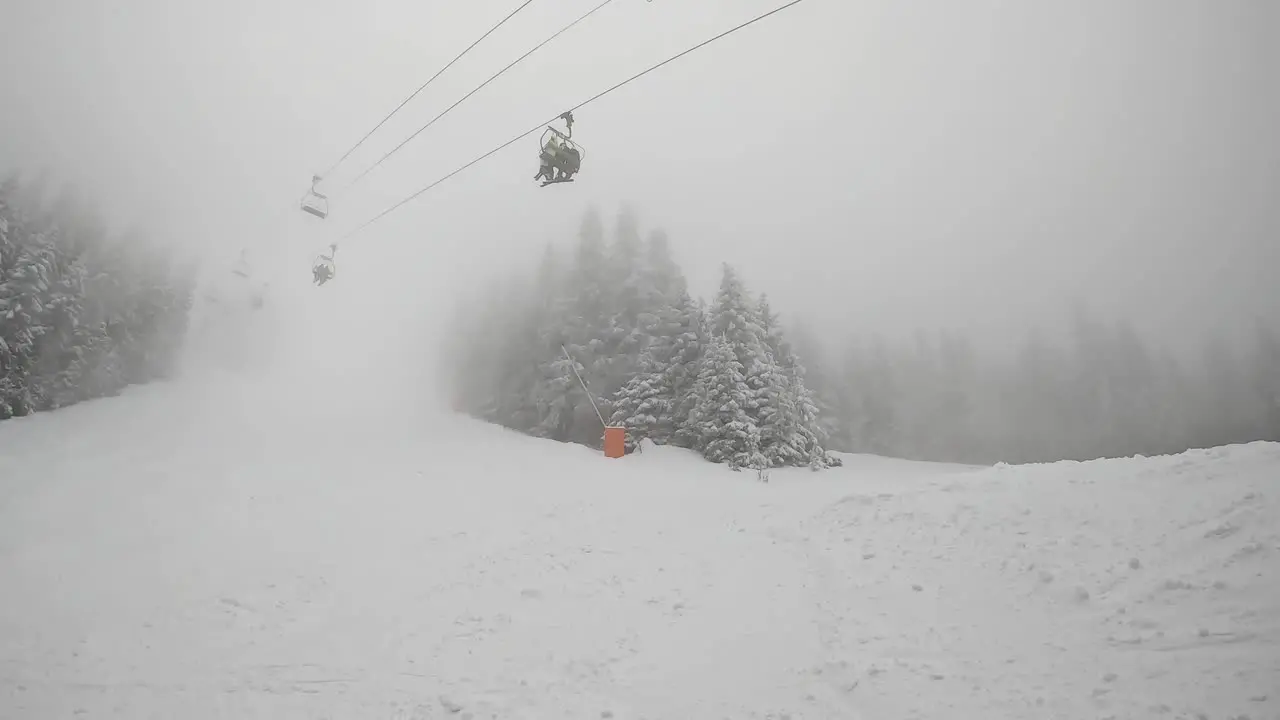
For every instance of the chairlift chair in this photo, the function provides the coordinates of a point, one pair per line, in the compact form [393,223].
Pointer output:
[560,154]
[326,263]
[314,201]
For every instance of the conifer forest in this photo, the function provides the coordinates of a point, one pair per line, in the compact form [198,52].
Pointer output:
[82,314]
[727,377]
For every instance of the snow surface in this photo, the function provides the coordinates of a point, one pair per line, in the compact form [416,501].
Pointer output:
[220,550]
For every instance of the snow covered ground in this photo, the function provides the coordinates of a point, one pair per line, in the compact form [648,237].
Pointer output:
[221,551]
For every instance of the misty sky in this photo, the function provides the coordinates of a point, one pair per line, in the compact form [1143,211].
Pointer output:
[872,165]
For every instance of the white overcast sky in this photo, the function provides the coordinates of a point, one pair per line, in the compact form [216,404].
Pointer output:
[873,165]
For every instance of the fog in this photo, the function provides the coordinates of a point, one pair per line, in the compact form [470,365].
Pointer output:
[872,166]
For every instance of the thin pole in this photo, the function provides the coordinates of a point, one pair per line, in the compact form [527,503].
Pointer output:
[574,366]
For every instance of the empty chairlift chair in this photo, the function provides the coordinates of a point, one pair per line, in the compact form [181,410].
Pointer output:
[314,202]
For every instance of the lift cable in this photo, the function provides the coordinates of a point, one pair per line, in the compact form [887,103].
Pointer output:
[539,126]
[424,85]
[493,77]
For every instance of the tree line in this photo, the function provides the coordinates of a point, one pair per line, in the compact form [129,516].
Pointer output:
[606,332]
[1100,390]
[82,314]
[725,379]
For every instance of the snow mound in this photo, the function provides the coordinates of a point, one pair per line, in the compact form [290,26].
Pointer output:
[1139,587]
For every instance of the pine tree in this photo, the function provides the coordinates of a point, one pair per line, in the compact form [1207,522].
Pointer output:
[734,317]
[688,345]
[657,399]
[790,431]
[24,294]
[726,433]
[103,332]
[643,405]
[20,326]
[775,407]
[63,361]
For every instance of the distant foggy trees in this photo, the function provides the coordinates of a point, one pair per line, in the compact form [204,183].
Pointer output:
[81,315]
[721,379]
[1102,392]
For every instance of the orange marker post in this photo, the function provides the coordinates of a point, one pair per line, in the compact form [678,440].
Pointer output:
[615,441]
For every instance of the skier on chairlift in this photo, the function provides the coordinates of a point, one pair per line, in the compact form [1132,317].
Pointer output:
[547,159]
[559,158]
[323,270]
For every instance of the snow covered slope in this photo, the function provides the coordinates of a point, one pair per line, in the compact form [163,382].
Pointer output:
[220,551]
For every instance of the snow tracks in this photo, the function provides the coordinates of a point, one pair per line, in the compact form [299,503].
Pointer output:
[275,561]
[1133,588]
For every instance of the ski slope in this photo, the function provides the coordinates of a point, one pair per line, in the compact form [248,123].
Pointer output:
[226,550]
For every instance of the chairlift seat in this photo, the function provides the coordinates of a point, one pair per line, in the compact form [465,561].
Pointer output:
[315,209]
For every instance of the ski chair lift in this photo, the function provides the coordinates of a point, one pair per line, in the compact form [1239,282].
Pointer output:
[323,269]
[560,157]
[315,202]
